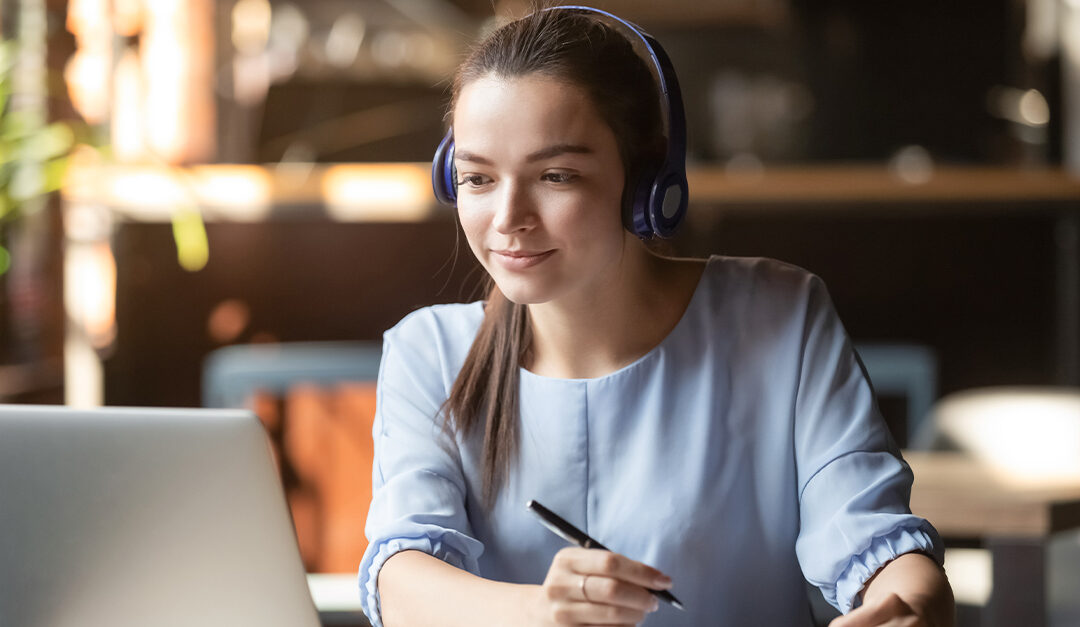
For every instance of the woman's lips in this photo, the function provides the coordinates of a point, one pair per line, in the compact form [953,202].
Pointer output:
[520,259]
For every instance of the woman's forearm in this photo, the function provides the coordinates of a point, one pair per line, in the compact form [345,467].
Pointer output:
[920,583]
[418,589]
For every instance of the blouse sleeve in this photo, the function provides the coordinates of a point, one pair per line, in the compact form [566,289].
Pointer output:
[418,489]
[854,488]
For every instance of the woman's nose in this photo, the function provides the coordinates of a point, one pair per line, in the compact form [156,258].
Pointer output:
[515,210]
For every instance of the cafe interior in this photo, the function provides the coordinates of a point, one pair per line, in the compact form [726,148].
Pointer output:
[225,203]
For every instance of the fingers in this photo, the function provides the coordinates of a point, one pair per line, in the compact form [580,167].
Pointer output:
[595,587]
[613,565]
[580,612]
[890,611]
[568,588]
[605,590]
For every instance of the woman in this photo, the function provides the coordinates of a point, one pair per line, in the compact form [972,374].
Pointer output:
[705,420]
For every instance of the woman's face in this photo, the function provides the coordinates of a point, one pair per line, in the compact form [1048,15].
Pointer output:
[539,186]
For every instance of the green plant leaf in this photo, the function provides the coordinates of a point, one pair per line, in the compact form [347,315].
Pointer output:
[52,141]
[8,54]
[189,233]
[54,174]
[27,182]
[5,260]
[17,125]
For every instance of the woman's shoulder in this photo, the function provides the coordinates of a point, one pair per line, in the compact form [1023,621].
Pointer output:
[429,345]
[755,291]
[757,269]
[757,279]
[444,325]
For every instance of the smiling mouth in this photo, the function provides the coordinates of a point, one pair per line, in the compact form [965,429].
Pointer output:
[518,254]
[520,259]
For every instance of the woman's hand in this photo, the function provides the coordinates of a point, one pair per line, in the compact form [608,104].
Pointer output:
[890,611]
[594,587]
[909,591]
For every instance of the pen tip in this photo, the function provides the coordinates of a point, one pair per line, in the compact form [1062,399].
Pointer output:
[678,605]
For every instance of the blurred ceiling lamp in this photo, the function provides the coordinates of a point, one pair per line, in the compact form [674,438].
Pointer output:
[913,165]
[240,193]
[151,189]
[90,290]
[289,29]
[128,142]
[251,78]
[127,17]
[177,49]
[1027,434]
[1020,106]
[390,49]
[161,94]
[251,24]
[343,42]
[251,21]
[386,191]
[88,71]
[1033,108]
[233,193]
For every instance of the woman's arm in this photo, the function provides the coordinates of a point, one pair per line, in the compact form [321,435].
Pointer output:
[583,586]
[418,589]
[911,587]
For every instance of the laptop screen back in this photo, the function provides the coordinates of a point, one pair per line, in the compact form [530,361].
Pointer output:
[125,517]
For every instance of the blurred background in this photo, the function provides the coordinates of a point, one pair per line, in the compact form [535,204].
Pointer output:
[180,177]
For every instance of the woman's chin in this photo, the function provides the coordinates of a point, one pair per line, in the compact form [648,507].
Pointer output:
[524,292]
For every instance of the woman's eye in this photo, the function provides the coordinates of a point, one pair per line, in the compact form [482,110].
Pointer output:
[560,177]
[472,180]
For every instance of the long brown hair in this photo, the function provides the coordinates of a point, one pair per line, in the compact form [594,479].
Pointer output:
[569,46]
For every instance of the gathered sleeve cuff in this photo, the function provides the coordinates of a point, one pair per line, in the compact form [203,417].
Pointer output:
[855,519]
[453,547]
[917,536]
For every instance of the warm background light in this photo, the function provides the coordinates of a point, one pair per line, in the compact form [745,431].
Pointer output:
[377,192]
[1026,435]
[159,97]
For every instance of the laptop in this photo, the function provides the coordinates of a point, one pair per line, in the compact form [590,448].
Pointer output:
[126,517]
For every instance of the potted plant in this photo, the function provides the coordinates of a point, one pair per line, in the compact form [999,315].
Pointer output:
[33,156]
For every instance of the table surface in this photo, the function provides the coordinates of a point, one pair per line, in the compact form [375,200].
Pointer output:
[964,498]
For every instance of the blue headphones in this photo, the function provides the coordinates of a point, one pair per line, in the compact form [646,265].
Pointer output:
[660,192]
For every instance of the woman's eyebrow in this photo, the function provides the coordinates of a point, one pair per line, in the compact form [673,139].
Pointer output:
[544,153]
[556,150]
[461,155]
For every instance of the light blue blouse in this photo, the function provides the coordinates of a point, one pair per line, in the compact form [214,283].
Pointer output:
[741,455]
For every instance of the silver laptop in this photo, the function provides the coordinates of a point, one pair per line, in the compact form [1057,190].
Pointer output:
[144,517]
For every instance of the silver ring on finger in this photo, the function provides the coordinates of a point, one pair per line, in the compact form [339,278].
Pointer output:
[584,595]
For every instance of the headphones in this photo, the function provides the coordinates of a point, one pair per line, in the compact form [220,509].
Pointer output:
[659,193]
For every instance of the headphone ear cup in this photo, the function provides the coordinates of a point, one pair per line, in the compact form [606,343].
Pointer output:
[443,173]
[667,202]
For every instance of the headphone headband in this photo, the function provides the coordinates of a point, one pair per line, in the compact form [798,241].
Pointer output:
[659,196]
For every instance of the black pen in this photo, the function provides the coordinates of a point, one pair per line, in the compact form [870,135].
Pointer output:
[572,534]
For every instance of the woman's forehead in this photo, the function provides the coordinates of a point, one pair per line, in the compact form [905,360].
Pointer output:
[498,109]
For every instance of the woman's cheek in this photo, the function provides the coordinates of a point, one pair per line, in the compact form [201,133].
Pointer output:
[472,223]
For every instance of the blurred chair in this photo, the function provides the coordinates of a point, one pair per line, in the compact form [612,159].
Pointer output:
[317,401]
[908,371]
[231,374]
